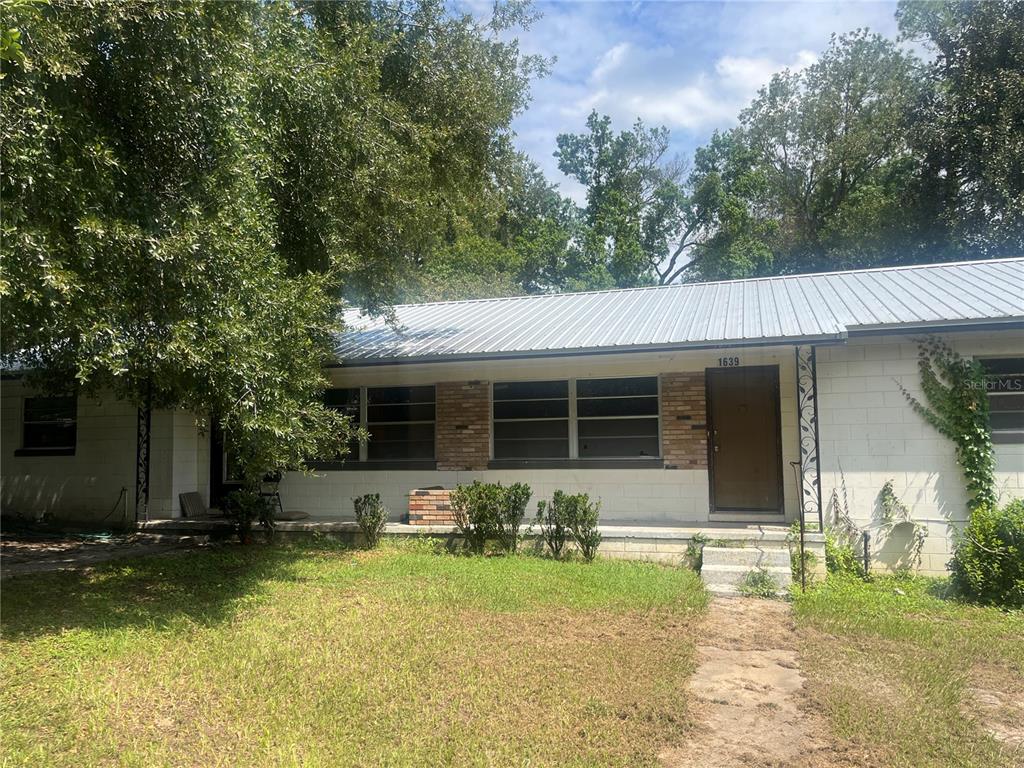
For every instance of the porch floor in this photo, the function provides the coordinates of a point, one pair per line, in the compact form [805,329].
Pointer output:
[638,536]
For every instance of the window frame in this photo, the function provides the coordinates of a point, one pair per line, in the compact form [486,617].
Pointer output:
[574,459]
[568,418]
[362,460]
[1006,436]
[55,450]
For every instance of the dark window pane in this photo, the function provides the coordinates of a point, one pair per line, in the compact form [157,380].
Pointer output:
[50,435]
[400,412]
[631,387]
[1006,402]
[510,430]
[342,399]
[1003,365]
[384,395]
[1013,420]
[618,406]
[623,447]
[618,428]
[1005,383]
[381,433]
[531,409]
[50,422]
[50,409]
[531,390]
[417,449]
[531,449]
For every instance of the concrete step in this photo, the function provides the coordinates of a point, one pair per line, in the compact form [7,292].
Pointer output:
[735,574]
[749,557]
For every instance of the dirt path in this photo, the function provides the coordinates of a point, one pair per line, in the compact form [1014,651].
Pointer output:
[749,692]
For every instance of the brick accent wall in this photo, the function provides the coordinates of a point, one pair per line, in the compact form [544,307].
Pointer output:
[463,425]
[684,429]
[430,506]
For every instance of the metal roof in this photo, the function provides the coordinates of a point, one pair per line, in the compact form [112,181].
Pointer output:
[773,310]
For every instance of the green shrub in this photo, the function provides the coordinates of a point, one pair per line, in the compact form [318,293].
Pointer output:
[988,564]
[758,583]
[695,550]
[485,511]
[509,515]
[372,516]
[583,521]
[553,520]
[840,556]
[247,506]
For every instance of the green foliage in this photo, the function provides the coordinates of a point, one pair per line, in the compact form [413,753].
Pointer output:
[191,189]
[758,583]
[801,567]
[840,556]
[583,515]
[640,225]
[486,511]
[816,175]
[956,404]
[249,506]
[970,136]
[988,564]
[894,513]
[554,519]
[372,517]
[510,516]
[695,550]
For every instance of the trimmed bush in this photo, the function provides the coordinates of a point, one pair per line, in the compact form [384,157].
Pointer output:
[583,520]
[988,565]
[372,516]
[485,511]
[553,520]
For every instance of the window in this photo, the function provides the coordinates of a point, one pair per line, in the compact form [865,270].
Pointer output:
[1005,385]
[577,419]
[617,418]
[401,423]
[50,424]
[346,402]
[531,420]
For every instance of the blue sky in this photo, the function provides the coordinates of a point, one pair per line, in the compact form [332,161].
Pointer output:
[690,66]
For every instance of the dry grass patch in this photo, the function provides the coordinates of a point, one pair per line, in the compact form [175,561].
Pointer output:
[272,656]
[890,665]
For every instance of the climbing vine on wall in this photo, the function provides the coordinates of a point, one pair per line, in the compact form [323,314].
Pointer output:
[955,403]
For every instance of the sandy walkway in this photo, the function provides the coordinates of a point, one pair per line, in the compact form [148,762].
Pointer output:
[749,692]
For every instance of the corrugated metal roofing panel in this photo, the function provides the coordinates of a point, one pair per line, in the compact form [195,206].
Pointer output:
[763,310]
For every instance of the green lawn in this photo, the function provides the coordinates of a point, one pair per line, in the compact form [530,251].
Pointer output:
[892,666]
[323,656]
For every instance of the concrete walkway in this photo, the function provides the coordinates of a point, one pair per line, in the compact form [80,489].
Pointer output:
[749,691]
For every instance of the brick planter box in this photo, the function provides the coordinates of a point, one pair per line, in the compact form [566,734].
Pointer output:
[430,506]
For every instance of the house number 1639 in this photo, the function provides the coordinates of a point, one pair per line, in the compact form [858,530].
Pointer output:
[728,362]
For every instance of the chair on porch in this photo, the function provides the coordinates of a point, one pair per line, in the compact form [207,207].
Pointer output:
[270,488]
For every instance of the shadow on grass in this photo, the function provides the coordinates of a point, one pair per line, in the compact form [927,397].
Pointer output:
[204,587]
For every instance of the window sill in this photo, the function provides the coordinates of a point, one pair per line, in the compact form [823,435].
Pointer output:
[355,466]
[44,452]
[639,463]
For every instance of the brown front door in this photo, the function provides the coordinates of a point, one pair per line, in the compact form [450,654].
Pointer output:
[746,451]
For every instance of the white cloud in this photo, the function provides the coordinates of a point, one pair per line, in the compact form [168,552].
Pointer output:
[691,66]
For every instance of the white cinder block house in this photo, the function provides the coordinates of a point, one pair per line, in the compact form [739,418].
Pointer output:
[729,403]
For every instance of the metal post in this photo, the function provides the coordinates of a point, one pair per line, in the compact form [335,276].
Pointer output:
[143,442]
[867,554]
[809,481]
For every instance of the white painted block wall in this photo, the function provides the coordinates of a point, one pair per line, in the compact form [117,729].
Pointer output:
[88,485]
[870,434]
